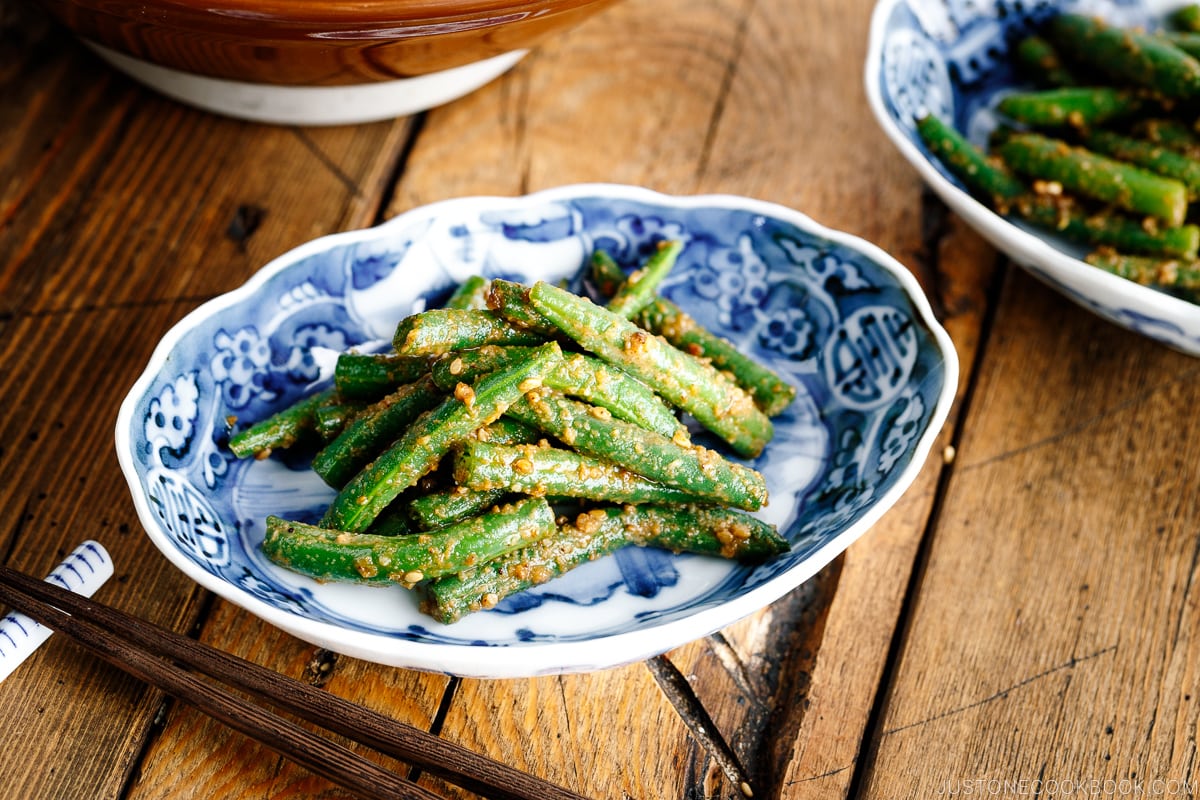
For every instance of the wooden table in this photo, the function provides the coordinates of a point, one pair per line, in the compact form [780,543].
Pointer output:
[1026,619]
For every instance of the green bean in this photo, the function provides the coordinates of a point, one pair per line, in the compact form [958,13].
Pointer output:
[1149,271]
[674,462]
[606,273]
[332,555]
[438,508]
[597,533]
[641,287]
[440,330]
[448,506]
[543,470]
[1153,157]
[1084,172]
[510,301]
[580,376]
[396,521]
[470,294]
[1076,106]
[1187,41]
[689,383]
[362,376]
[770,392]
[506,431]
[430,437]
[986,178]
[373,431]
[1186,17]
[1126,55]
[282,429]
[663,318]
[332,418]
[1170,133]
[1064,216]
[1038,59]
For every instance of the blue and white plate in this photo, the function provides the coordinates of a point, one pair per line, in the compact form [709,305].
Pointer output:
[838,317]
[950,58]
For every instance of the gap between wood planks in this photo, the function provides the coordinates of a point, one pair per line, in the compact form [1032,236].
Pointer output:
[753,752]
[934,228]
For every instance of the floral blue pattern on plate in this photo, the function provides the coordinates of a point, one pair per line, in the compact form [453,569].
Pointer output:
[950,58]
[838,317]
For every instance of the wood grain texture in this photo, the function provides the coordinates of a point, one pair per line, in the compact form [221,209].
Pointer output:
[1025,612]
[694,121]
[114,223]
[193,756]
[1053,633]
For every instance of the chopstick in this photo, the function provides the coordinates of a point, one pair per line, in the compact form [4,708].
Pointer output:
[148,652]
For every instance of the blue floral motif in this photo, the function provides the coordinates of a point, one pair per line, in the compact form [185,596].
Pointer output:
[301,365]
[789,331]
[241,365]
[902,428]
[171,417]
[633,238]
[824,268]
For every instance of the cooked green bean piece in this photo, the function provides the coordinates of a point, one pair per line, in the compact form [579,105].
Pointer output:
[1065,216]
[1170,133]
[542,470]
[333,555]
[663,318]
[597,533]
[1187,41]
[1083,172]
[1153,157]
[1074,106]
[986,178]
[606,273]
[641,287]
[440,330]
[578,375]
[396,521]
[331,419]
[282,429]
[373,431]
[363,376]
[690,383]
[674,462]
[770,392]
[506,431]
[430,437]
[1040,62]
[510,301]
[470,294]
[1149,271]
[437,509]
[1186,18]
[1126,55]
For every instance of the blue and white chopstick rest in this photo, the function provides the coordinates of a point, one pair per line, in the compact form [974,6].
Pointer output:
[83,571]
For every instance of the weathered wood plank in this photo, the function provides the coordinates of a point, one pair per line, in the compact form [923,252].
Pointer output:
[194,756]
[108,179]
[1053,634]
[694,122]
[115,212]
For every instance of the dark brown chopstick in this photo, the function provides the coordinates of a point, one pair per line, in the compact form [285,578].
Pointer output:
[147,651]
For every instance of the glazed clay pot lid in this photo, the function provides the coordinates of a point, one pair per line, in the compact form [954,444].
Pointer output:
[390,19]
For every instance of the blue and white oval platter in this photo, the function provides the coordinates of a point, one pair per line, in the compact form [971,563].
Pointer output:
[838,317]
[950,58]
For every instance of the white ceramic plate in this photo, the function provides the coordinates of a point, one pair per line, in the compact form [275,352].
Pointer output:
[838,317]
[951,59]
